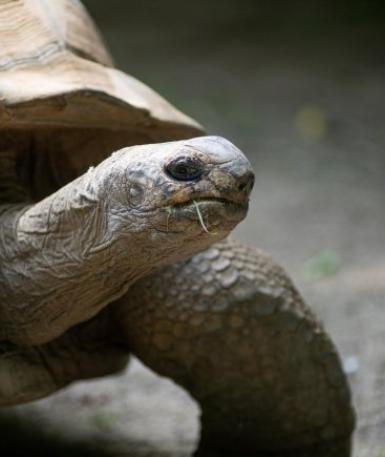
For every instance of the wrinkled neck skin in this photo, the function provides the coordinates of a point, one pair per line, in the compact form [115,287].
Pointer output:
[66,257]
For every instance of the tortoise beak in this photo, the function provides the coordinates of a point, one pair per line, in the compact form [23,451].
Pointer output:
[233,182]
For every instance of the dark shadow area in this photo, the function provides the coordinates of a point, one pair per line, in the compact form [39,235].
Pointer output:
[23,437]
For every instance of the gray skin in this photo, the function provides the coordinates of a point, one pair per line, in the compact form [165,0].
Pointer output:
[226,324]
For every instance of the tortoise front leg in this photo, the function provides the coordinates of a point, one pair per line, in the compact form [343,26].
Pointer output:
[229,326]
[85,351]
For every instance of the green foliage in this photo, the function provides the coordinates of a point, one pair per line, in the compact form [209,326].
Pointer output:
[326,263]
[311,122]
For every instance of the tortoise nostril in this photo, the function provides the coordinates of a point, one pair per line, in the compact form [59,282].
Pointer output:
[247,183]
[243,186]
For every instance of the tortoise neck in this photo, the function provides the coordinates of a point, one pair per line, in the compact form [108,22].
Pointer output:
[60,264]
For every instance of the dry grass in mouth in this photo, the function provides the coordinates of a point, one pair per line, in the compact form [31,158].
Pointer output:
[202,223]
[169,214]
[200,217]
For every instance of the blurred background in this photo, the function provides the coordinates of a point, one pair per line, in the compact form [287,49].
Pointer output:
[299,86]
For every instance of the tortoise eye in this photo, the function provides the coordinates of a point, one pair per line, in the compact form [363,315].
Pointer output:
[185,169]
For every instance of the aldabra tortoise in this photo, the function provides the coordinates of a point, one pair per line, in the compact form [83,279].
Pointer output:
[93,249]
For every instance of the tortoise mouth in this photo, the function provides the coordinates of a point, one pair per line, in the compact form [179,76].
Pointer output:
[201,201]
[211,214]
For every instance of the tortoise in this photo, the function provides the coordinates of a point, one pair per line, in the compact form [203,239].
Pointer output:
[114,212]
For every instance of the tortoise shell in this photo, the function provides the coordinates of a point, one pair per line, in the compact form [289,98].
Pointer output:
[56,70]
[63,106]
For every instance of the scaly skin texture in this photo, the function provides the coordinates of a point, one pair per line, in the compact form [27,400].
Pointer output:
[66,257]
[229,326]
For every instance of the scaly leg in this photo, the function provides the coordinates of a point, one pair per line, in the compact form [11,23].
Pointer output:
[229,326]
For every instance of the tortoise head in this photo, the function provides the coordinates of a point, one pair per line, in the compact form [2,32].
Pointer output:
[196,188]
